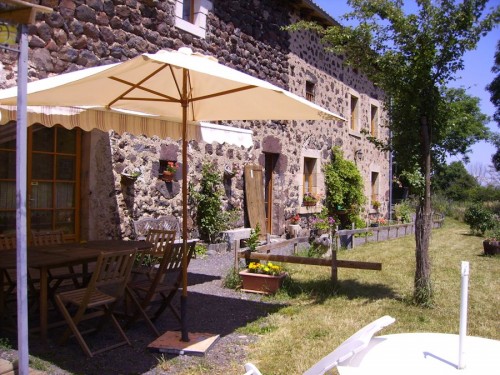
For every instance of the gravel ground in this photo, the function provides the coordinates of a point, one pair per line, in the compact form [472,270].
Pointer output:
[211,309]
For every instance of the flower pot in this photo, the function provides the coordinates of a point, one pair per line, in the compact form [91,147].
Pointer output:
[310,203]
[491,247]
[261,283]
[167,176]
[294,230]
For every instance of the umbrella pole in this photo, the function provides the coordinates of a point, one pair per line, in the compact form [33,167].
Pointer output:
[184,330]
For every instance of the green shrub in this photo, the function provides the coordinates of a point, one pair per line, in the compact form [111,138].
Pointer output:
[232,280]
[344,188]
[253,241]
[211,218]
[479,218]
[403,211]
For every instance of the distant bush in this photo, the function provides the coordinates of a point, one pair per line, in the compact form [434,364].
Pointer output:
[479,218]
[403,212]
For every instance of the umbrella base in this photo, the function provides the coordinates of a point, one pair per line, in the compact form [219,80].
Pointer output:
[170,342]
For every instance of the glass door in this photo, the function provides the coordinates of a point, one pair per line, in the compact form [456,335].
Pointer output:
[53,170]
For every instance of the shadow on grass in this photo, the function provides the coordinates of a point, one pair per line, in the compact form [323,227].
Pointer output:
[323,289]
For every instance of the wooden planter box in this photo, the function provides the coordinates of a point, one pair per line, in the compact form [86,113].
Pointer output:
[310,203]
[259,283]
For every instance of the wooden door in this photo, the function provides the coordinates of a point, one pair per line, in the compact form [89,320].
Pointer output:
[254,194]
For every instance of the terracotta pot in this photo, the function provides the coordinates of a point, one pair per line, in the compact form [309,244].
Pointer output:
[260,283]
[310,203]
[491,247]
[167,176]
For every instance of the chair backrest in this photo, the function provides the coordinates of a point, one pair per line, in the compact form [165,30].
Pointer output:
[112,268]
[351,346]
[7,241]
[142,226]
[251,369]
[160,239]
[44,238]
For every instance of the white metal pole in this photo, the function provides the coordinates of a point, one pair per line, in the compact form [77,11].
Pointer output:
[463,314]
[21,156]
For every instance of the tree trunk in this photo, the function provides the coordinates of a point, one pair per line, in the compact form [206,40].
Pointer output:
[423,225]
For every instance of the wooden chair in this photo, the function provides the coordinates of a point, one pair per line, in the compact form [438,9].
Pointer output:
[112,271]
[58,275]
[8,242]
[162,286]
[147,261]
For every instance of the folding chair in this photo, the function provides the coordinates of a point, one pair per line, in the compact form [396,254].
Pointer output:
[57,275]
[346,350]
[163,285]
[8,242]
[147,261]
[112,271]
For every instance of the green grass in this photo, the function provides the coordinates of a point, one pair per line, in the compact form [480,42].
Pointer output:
[318,317]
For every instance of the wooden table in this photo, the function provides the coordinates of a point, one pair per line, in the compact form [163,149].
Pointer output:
[44,258]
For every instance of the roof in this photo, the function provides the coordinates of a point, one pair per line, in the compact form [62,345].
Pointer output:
[310,11]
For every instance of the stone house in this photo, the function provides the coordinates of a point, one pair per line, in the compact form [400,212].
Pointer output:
[75,178]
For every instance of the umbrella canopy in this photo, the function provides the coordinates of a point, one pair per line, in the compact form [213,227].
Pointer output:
[177,86]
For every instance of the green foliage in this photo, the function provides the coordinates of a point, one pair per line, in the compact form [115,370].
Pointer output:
[494,233]
[454,182]
[211,217]
[344,186]
[479,218]
[232,280]
[253,241]
[4,343]
[403,211]
[494,89]
[200,250]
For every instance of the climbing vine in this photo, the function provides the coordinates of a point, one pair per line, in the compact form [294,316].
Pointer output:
[344,189]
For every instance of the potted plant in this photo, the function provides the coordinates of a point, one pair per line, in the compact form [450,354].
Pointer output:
[231,171]
[310,199]
[169,171]
[491,244]
[130,177]
[322,223]
[294,226]
[263,278]
[376,205]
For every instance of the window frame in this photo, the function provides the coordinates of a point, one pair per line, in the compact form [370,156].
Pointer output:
[197,24]
[354,117]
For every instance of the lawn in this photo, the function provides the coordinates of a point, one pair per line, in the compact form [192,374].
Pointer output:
[318,317]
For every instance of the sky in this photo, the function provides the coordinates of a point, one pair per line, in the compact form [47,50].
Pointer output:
[474,78]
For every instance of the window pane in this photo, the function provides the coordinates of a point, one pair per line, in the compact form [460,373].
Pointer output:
[7,222]
[43,167]
[8,136]
[8,164]
[65,196]
[187,10]
[41,220]
[65,168]
[65,220]
[41,195]
[7,195]
[43,138]
[66,141]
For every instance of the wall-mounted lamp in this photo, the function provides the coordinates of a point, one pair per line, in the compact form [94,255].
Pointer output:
[358,155]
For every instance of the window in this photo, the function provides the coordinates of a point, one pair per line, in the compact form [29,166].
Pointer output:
[310,91]
[374,187]
[374,120]
[354,113]
[191,16]
[309,175]
[188,11]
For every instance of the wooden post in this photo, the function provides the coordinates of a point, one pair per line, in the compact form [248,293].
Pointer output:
[334,267]
[236,257]
[352,236]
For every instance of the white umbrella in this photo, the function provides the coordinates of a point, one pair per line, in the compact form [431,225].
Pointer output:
[173,85]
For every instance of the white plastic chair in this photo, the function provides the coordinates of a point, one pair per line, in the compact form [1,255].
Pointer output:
[346,350]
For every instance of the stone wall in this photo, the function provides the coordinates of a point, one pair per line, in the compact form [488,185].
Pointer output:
[245,35]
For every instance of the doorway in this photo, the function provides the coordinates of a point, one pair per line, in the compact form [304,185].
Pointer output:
[53,191]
